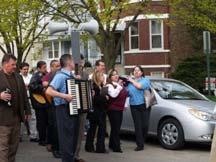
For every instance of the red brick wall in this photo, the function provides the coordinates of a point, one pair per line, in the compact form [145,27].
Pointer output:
[181,45]
[147,59]
[126,41]
[166,35]
[159,7]
[144,35]
[154,8]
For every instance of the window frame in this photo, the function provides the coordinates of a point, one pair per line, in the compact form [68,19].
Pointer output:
[161,34]
[136,35]
[53,50]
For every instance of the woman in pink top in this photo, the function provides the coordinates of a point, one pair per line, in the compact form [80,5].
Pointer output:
[117,97]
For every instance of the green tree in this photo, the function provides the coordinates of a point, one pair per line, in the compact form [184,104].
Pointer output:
[192,71]
[20,26]
[199,14]
[107,13]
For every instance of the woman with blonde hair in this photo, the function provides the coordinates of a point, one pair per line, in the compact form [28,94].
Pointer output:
[117,97]
[98,117]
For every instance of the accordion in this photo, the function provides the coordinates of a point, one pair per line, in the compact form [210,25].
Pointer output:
[81,90]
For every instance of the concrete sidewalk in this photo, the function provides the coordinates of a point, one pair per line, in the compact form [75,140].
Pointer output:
[31,152]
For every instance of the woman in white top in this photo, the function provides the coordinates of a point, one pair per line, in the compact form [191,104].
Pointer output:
[117,97]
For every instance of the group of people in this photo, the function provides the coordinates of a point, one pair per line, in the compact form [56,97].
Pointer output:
[49,121]
[110,95]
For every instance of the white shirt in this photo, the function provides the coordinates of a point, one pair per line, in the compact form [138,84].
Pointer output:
[114,92]
[27,81]
[26,78]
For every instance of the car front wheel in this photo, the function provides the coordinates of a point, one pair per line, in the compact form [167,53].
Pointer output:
[170,134]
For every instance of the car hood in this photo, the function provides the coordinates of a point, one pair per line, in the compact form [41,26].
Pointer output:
[203,105]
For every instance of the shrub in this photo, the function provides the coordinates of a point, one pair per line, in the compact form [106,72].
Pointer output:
[193,71]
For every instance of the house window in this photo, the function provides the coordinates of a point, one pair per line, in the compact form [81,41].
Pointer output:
[49,48]
[119,54]
[53,49]
[134,36]
[157,74]
[156,35]
[56,49]
[66,47]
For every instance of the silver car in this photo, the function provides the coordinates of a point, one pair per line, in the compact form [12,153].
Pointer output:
[181,114]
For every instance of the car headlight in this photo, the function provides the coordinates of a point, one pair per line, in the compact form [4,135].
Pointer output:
[200,114]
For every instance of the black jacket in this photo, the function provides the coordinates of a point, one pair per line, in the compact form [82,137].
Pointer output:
[100,104]
[6,112]
[99,100]
[36,87]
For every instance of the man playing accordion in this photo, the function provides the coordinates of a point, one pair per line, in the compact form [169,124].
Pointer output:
[67,125]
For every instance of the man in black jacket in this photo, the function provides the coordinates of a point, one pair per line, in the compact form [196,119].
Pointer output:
[52,133]
[14,108]
[39,101]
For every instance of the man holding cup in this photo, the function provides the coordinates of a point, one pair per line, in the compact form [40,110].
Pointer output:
[14,108]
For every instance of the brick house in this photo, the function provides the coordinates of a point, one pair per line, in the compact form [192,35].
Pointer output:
[153,44]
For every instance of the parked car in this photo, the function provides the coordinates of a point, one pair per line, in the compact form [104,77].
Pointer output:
[181,114]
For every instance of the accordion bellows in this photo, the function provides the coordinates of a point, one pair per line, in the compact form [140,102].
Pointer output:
[81,90]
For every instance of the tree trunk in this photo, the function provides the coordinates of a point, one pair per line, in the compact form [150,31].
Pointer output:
[19,57]
[110,51]
[109,55]
[213,149]
[8,47]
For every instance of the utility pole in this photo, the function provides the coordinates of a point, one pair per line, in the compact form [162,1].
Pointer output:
[207,51]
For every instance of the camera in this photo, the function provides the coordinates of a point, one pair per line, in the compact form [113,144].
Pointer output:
[9,92]
[125,80]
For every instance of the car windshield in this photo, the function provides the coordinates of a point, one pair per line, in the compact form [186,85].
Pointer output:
[175,90]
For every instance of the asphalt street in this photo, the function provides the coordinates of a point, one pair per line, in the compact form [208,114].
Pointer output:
[31,152]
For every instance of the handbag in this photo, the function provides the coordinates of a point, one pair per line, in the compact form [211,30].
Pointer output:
[149,97]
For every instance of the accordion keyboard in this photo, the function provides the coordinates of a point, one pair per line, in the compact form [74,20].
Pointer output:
[73,89]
